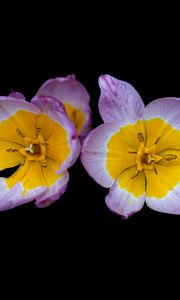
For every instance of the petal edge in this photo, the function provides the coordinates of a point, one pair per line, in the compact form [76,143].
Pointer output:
[119,101]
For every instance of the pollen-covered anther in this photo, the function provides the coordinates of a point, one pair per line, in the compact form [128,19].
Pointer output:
[155,170]
[38,131]
[140,137]
[44,163]
[157,140]
[11,150]
[132,152]
[19,133]
[169,157]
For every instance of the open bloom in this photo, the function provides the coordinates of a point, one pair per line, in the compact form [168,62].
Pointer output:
[40,138]
[75,98]
[136,153]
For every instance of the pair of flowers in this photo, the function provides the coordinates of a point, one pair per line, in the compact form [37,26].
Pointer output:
[135,152]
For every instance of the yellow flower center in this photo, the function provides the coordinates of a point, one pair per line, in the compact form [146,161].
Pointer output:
[145,156]
[35,142]
[35,149]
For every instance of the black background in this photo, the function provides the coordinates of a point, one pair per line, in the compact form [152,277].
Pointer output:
[141,49]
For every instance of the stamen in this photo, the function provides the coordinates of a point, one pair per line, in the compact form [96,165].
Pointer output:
[169,157]
[11,150]
[132,152]
[44,163]
[157,140]
[19,133]
[135,175]
[155,170]
[38,131]
[140,137]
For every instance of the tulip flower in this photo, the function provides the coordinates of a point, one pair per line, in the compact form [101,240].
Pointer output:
[40,139]
[136,152]
[75,98]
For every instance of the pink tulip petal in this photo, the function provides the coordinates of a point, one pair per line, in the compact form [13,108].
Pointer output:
[119,101]
[167,109]
[125,202]
[69,90]
[54,192]
[17,95]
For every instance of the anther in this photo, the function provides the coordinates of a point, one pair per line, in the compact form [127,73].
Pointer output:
[11,150]
[44,163]
[140,137]
[157,140]
[155,170]
[19,133]
[135,175]
[169,157]
[38,131]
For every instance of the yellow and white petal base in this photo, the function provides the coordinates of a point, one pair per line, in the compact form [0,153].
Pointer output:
[127,195]
[94,154]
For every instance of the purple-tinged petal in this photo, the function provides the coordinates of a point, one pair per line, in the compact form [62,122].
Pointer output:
[54,192]
[49,106]
[32,181]
[167,109]
[17,95]
[119,101]
[127,195]
[9,106]
[10,198]
[169,204]
[66,89]
[94,153]
[70,92]
[18,193]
